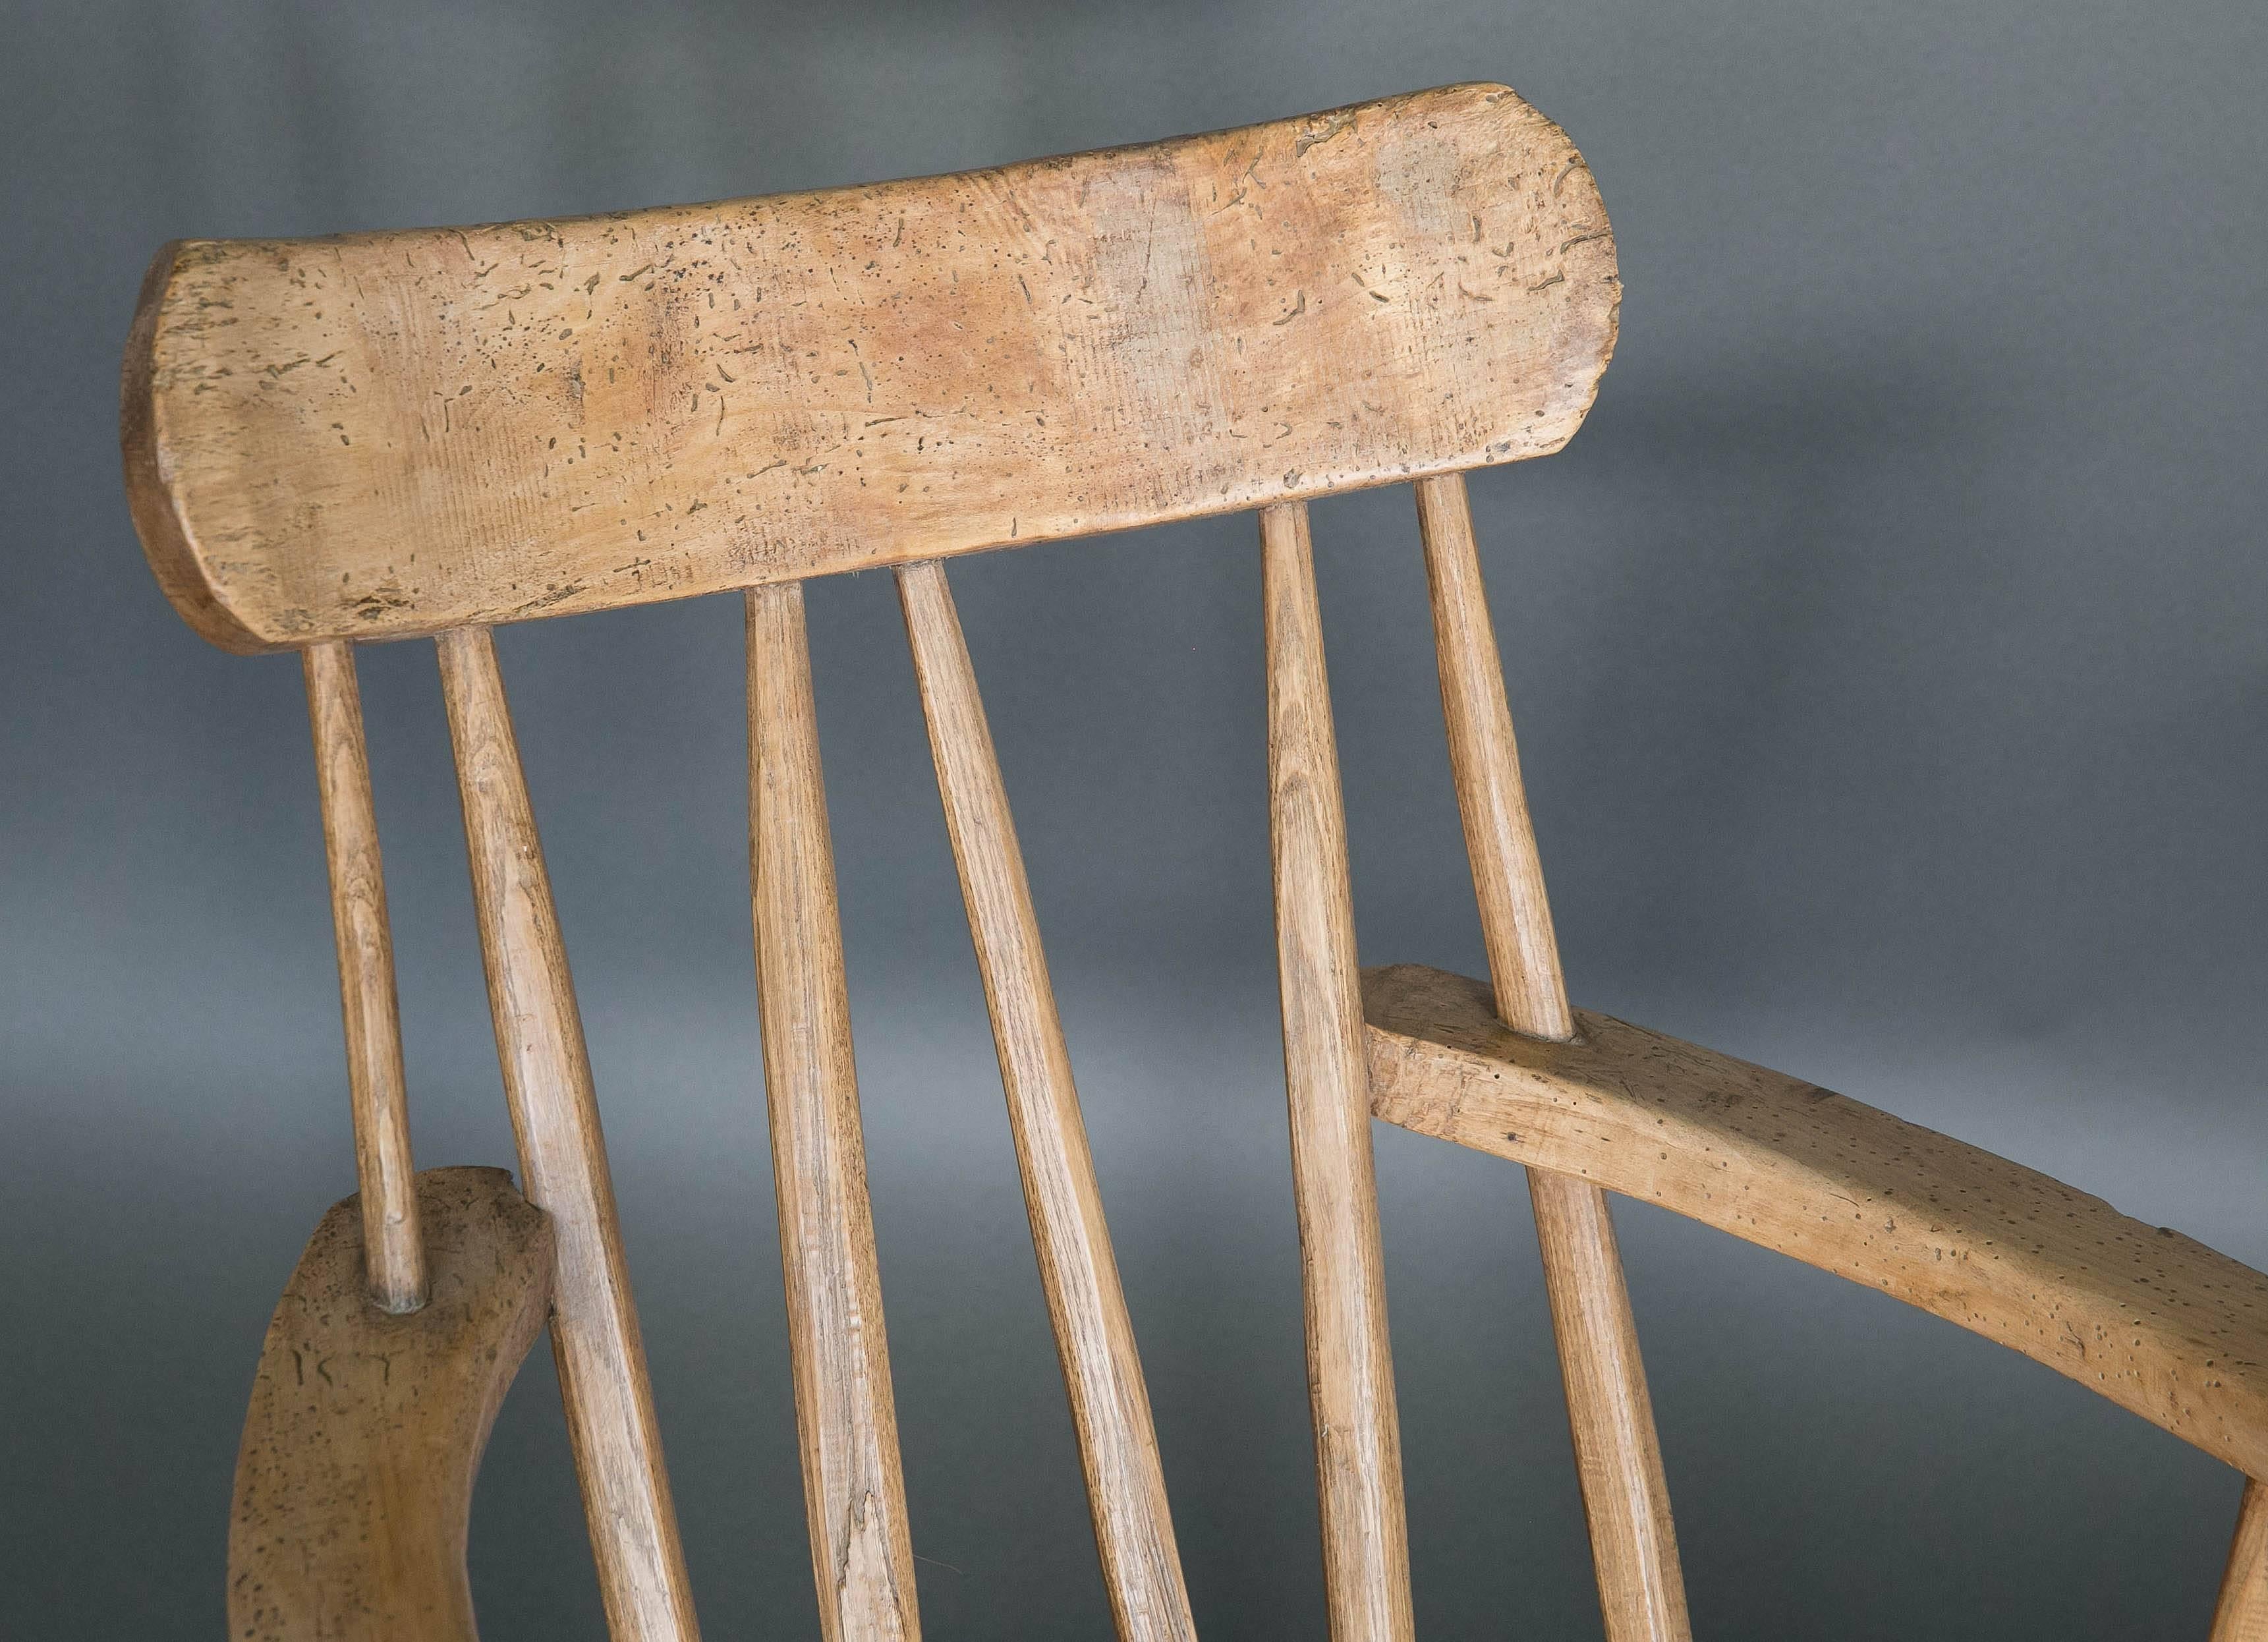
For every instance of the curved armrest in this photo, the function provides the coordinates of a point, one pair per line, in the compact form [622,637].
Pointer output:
[2152,1320]
[354,1479]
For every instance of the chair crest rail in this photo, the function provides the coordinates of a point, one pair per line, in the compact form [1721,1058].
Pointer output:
[385,434]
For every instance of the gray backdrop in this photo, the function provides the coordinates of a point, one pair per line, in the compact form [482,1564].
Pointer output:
[1890,668]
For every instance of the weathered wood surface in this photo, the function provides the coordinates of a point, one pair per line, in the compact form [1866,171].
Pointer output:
[846,1420]
[1342,1261]
[1610,1413]
[1094,1336]
[392,1247]
[354,1483]
[562,1160]
[392,433]
[2242,1613]
[2155,1322]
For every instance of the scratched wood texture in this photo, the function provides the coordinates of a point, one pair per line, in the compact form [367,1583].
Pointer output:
[354,1482]
[2152,1319]
[383,434]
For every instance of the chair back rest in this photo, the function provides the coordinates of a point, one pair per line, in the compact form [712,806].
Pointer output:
[432,432]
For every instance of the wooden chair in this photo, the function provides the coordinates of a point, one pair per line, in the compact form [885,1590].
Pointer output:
[433,433]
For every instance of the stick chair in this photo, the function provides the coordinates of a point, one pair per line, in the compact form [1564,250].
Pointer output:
[433,433]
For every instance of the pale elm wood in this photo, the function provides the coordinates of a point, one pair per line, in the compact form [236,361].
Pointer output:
[2242,1613]
[563,1155]
[1095,1337]
[354,1482]
[1485,759]
[1617,1452]
[392,433]
[1343,1274]
[2158,1323]
[392,1246]
[853,1486]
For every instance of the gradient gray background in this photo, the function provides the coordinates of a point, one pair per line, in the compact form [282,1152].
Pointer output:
[1890,666]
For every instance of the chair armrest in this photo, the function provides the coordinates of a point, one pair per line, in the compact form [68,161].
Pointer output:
[2155,1322]
[354,1482]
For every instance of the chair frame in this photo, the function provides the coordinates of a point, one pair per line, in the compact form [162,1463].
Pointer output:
[434,432]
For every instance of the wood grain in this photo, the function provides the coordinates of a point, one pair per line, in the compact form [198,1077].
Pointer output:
[563,1156]
[1342,1262]
[1610,1413]
[2242,1613]
[2156,1323]
[1531,996]
[383,434]
[354,1483]
[392,1245]
[854,1491]
[1095,1337]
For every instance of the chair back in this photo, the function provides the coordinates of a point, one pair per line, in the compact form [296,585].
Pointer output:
[435,433]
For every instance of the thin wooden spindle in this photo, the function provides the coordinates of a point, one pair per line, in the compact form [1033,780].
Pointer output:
[854,1490]
[1350,1368]
[2242,1613]
[393,1242]
[1618,1455]
[562,1160]
[1095,1337]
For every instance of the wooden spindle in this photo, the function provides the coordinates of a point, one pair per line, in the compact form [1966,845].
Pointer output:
[392,1244]
[1617,1454]
[2242,1613]
[853,1485]
[1350,1367]
[562,1158]
[1507,872]
[1095,1337]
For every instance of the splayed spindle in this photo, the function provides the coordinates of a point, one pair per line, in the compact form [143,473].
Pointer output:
[562,1158]
[846,1418]
[1343,1264]
[1094,1336]
[393,1243]
[1617,1454]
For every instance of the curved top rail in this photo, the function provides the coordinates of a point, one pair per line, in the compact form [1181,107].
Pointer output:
[378,435]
